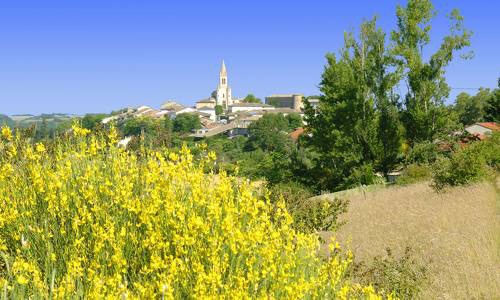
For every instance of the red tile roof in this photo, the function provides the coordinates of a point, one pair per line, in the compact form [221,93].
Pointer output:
[490,125]
[295,134]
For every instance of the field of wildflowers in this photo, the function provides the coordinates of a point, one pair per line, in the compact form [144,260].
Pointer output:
[83,218]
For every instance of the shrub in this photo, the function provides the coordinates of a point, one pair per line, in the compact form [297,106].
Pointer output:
[293,194]
[414,173]
[464,167]
[309,215]
[469,164]
[423,153]
[319,215]
[186,122]
[402,277]
[86,219]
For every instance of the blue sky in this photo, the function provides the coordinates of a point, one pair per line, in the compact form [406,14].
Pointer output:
[102,55]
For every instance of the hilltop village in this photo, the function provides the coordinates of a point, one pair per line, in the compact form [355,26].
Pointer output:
[221,113]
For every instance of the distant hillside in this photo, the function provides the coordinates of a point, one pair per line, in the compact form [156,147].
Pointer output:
[52,121]
[5,120]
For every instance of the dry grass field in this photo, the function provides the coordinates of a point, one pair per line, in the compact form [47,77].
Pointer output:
[456,233]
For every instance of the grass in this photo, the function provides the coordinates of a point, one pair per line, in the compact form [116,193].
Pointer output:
[455,234]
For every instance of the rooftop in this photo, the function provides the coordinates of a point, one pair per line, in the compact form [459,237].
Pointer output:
[490,125]
[250,105]
[207,100]
[283,95]
[171,105]
[295,134]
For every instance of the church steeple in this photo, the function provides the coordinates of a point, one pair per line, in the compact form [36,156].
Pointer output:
[223,69]
[223,74]
[224,97]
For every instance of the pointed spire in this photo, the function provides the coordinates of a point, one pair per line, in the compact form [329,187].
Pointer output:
[223,69]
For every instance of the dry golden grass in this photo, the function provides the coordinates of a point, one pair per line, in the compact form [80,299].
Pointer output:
[456,233]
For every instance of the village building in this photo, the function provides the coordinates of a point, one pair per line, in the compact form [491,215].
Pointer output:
[314,102]
[171,105]
[249,107]
[222,95]
[206,103]
[208,112]
[293,101]
[482,130]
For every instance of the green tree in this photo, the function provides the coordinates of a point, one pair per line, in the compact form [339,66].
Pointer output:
[269,133]
[424,114]
[294,121]
[492,106]
[218,110]
[186,122]
[471,109]
[345,131]
[140,126]
[250,98]
[390,133]
[93,121]
[42,130]
[168,123]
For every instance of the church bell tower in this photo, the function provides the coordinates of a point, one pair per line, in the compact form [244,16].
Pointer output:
[224,97]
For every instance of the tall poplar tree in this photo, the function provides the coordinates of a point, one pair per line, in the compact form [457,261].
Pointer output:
[425,115]
[345,130]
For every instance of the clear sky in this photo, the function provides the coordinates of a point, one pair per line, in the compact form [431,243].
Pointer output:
[85,56]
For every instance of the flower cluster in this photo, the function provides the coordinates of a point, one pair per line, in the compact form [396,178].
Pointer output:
[85,218]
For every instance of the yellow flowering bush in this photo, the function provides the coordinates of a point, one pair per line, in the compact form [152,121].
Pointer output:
[85,218]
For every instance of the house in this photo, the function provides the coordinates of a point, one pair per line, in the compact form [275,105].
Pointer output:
[314,103]
[201,131]
[249,107]
[206,103]
[171,105]
[173,113]
[210,112]
[482,130]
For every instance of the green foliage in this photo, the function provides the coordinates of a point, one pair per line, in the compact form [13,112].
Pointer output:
[414,173]
[218,110]
[423,153]
[186,122]
[294,121]
[92,121]
[348,132]
[145,131]
[404,277]
[425,113]
[319,215]
[292,193]
[249,163]
[309,215]
[250,98]
[168,123]
[470,164]
[269,133]
[492,106]
[363,174]
[139,126]
[390,133]
[471,109]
